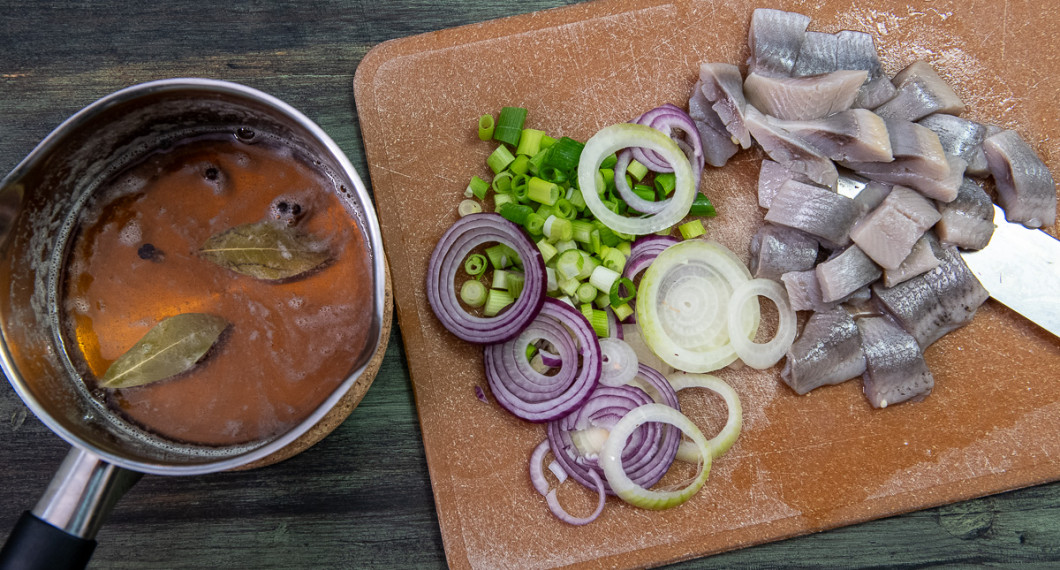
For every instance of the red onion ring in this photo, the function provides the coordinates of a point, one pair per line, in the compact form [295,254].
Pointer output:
[537,478]
[448,257]
[533,396]
[668,119]
[651,448]
[643,251]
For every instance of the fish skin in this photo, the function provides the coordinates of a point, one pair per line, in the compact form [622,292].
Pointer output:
[817,211]
[817,55]
[776,250]
[958,136]
[906,172]
[714,136]
[775,37]
[803,98]
[804,292]
[895,368]
[845,273]
[967,222]
[857,135]
[920,92]
[1025,187]
[919,261]
[828,351]
[936,302]
[722,85]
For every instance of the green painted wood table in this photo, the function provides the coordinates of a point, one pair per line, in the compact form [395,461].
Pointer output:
[362,497]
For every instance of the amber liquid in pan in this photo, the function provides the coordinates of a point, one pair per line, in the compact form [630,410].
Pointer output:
[133,263]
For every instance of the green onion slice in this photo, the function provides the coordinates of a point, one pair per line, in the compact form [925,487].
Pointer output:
[510,125]
[475,264]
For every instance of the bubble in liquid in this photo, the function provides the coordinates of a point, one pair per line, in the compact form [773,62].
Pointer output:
[245,134]
[131,234]
[288,209]
[296,302]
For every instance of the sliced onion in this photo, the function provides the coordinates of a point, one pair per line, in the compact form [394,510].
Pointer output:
[537,478]
[720,443]
[753,354]
[619,362]
[617,137]
[612,460]
[674,122]
[448,257]
[530,394]
[626,193]
[643,251]
[682,305]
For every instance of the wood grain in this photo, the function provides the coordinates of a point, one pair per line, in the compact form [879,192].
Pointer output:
[362,496]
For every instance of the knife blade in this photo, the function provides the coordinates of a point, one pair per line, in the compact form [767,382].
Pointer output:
[1020,267]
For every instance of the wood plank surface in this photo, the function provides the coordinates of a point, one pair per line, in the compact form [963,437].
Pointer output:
[362,497]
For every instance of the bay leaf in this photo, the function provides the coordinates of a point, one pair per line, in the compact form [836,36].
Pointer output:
[173,346]
[268,250]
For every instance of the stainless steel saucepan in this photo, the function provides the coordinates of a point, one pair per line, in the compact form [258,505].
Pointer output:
[38,200]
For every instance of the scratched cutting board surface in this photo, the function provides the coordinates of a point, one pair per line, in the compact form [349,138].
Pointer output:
[803,463]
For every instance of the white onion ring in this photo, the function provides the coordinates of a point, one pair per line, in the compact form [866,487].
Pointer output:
[611,139]
[720,443]
[753,354]
[619,362]
[615,472]
[682,305]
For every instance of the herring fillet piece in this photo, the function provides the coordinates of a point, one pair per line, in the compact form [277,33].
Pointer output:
[775,38]
[1020,267]
[803,98]
[828,351]
[1025,187]
[895,368]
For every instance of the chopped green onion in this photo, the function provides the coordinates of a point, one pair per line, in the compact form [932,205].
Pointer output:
[553,174]
[569,264]
[615,296]
[664,182]
[550,278]
[510,125]
[529,142]
[473,293]
[645,192]
[521,164]
[565,153]
[515,213]
[520,185]
[701,206]
[602,300]
[581,230]
[468,207]
[587,311]
[637,170]
[626,247]
[515,282]
[623,311]
[502,256]
[499,159]
[535,162]
[475,264]
[564,245]
[603,278]
[502,182]
[547,141]
[544,210]
[496,301]
[548,251]
[557,229]
[499,201]
[564,209]
[609,161]
[576,199]
[477,188]
[535,224]
[568,286]
[586,293]
[485,127]
[599,322]
[500,279]
[542,191]
[613,259]
[692,229]
[531,350]
[605,178]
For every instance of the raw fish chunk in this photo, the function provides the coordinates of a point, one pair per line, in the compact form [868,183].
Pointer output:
[921,92]
[716,139]
[857,50]
[932,304]
[775,38]
[958,137]
[817,55]
[804,292]
[917,147]
[827,352]
[771,176]
[814,210]
[791,151]
[776,250]
[803,98]
[845,273]
[1025,187]
[722,85]
[856,135]
[888,233]
[872,195]
[895,367]
[907,172]
[919,261]
[968,221]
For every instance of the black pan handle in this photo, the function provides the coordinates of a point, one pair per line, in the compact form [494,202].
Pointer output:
[35,544]
[60,532]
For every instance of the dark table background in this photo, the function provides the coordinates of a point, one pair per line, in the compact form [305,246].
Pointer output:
[361,497]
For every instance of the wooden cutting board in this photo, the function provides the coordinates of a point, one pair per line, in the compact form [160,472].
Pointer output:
[803,463]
